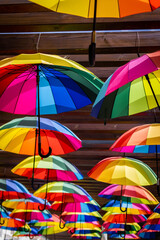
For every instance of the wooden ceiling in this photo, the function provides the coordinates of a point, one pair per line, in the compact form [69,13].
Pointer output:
[28,28]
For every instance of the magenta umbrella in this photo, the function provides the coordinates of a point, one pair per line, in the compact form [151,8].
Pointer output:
[132,88]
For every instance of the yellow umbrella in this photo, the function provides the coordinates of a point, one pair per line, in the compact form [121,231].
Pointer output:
[123,171]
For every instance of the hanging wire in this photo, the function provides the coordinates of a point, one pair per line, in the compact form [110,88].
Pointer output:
[137,43]
[38,40]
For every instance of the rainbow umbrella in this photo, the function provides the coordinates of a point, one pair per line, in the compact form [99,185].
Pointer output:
[85,237]
[93,234]
[129,226]
[31,203]
[157,208]
[54,220]
[14,224]
[12,189]
[63,191]
[80,216]
[28,214]
[134,194]
[20,136]
[49,230]
[144,233]
[154,227]
[141,139]
[81,231]
[83,225]
[34,84]
[132,208]
[30,233]
[3,214]
[123,218]
[131,89]
[123,171]
[124,236]
[91,206]
[53,168]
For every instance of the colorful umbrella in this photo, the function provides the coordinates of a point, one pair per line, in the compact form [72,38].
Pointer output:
[54,168]
[23,233]
[20,136]
[12,189]
[3,214]
[51,230]
[80,216]
[83,225]
[28,214]
[29,80]
[31,203]
[144,233]
[95,234]
[132,208]
[141,139]
[131,89]
[81,231]
[54,220]
[157,208]
[14,224]
[122,218]
[131,226]
[135,194]
[63,191]
[154,227]
[124,236]
[91,206]
[123,171]
[99,8]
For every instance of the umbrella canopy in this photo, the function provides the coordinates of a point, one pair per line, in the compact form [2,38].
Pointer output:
[134,194]
[12,189]
[51,230]
[81,216]
[124,171]
[22,232]
[54,168]
[83,225]
[122,218]
[54,220]
[85,231]
[131,226]
[28,215]
[157,208]
[144,233]
[93,234]
[13,224]
[63,191]
[91,206]
[126,236]
[132,208]
[131,89]
[154,227]
[140,139]
[31,203]
[29,78]
[19,136]
[104,8]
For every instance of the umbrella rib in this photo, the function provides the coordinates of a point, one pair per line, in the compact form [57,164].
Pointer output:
[28,77]
[10,73]
[62,84]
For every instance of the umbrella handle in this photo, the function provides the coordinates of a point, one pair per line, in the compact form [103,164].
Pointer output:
[43,207]
[39,150]
[121,207]
[60,224]
[33,186]
[31,237]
